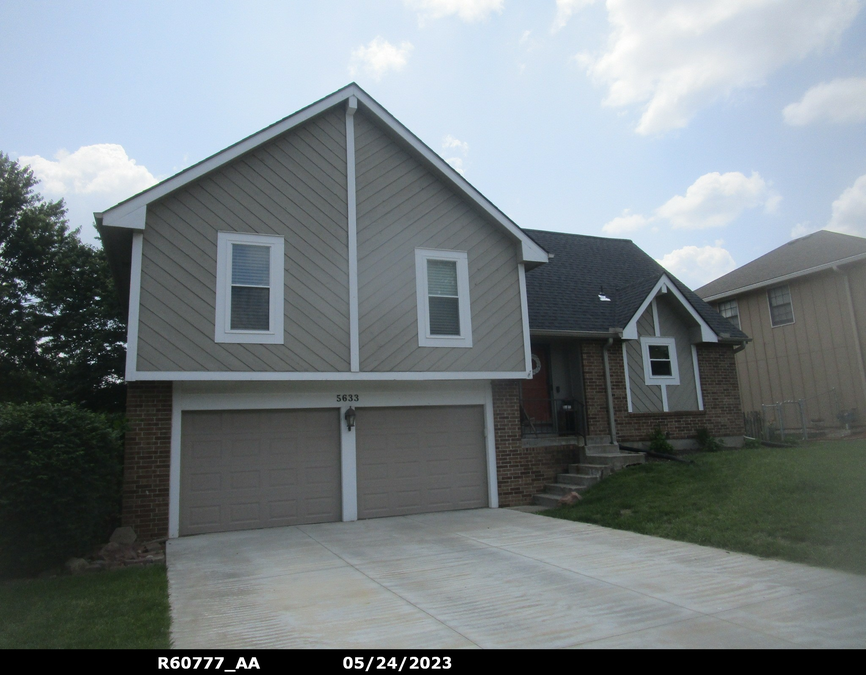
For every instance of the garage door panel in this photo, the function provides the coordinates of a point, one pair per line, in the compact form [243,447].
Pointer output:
[416,460]
[250,469]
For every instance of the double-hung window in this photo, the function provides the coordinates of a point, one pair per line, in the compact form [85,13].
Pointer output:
[781,308]
[660,360]
[730,311]
[249,293]
[442,284]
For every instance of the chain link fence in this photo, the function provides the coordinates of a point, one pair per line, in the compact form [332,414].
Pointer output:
[819,416]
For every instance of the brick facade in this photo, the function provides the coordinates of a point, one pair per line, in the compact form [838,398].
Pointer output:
[722,414]
[146,458]
[522,472]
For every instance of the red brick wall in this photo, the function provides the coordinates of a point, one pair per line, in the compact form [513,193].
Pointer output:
[521,472]
[722,414]
[146,459]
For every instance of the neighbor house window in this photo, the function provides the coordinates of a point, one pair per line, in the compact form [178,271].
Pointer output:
[660,360]
[442,284]
[249,293]
[781,309]
[730,311]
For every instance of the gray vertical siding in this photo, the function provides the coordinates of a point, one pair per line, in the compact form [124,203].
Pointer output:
[674,322]
[294,186]
[402,206]
[644,398]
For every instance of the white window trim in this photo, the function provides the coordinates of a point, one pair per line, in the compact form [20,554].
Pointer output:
[770,306]
[670,343]
[422,255]
[223,290]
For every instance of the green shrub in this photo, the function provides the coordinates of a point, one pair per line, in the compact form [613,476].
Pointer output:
[60,470]
[707,442]
[659,442]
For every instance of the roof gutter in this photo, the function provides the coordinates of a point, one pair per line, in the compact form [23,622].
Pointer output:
[590,335]
[784,277]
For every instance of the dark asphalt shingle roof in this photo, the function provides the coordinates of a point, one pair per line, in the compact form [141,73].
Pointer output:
[563,294]
[814,250]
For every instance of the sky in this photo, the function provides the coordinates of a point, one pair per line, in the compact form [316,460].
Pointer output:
[709,132]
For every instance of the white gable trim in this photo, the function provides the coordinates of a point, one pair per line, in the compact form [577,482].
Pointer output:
[665,285]
[131,213]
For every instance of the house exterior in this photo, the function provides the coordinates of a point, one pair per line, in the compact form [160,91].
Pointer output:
[804,305]
[603,311]
[328,323]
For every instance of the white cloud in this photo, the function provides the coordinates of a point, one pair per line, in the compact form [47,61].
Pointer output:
[715,199]
[675,57]
[93,178]
[697,266]
[378,57]
[802,229]
[467,10]
[849,210]
[103,169]
[625,224]
[450,144]
[841,100]
[564,10]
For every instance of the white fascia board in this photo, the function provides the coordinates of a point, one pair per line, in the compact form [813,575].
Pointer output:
[117,216]
[524,316]
[530,251]
[319,377]
[785,277]
[630,330]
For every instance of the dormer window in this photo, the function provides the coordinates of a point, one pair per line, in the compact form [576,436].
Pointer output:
[660,360]
[249,294]
[442,284]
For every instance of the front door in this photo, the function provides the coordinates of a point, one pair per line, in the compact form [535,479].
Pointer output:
[536,392]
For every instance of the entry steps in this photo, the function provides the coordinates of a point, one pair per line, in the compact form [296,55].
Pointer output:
[601,458]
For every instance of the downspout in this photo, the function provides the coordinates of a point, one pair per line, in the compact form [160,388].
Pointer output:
[607,387]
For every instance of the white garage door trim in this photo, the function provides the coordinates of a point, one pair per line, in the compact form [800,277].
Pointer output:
[287,395]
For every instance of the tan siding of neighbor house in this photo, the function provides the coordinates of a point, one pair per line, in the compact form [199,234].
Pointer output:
[811,357]
[293,186]
[402,206]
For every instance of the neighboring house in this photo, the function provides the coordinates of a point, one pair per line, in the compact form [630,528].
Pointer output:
[804,305]
[327,322]
[603,311]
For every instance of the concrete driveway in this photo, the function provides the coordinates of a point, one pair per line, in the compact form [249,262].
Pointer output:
[496,578]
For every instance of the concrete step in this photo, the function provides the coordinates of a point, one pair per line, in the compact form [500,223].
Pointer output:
[617,461]
[602,448]
[547,501]
[578,479]
[598,440]
[600,470]
[562,489]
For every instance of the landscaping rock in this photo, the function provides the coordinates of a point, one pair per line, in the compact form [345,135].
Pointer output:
[76,565]
[123,535]
[570,499]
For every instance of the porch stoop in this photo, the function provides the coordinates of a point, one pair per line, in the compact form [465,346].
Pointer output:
[600,458]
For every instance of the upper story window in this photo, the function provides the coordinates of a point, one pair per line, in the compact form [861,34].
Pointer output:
[660,360]
[249,292]
[442,284]
[781,309]
[730,311]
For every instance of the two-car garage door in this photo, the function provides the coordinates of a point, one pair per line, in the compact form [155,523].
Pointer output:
[251,469]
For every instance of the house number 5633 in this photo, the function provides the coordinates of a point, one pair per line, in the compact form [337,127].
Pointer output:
[347,397]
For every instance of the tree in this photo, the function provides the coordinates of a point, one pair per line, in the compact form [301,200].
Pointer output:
[61,327]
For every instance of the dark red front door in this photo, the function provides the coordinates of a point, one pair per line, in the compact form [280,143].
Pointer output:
[536,392]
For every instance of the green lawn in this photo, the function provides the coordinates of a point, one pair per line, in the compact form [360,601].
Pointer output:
[805,504]
[120,609]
